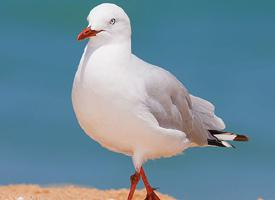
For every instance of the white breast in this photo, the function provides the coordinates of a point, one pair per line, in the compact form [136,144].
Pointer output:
[102,99]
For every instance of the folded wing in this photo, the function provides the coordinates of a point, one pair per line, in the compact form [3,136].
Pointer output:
[172,106]
[206,112]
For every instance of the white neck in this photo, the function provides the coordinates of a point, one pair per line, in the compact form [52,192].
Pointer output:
[97,53]
[123,46]
[115,51]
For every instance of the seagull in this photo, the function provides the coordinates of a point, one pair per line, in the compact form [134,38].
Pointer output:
[135,108]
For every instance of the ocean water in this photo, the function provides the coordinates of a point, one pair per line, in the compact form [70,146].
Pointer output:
[223,51]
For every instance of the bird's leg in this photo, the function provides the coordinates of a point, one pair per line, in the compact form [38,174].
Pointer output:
[151,195]
[134,179]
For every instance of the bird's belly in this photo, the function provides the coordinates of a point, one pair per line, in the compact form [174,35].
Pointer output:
[107,114]
[113,114]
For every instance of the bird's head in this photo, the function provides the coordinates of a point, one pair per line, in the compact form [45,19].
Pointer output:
[107,22]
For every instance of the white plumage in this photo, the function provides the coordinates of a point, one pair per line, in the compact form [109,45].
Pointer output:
[130,106]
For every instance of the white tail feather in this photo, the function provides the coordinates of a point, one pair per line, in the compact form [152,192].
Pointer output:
[227,144]
[226,136]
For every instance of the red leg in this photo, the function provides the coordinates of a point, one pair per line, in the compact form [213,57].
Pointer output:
[134,181]
[151,195]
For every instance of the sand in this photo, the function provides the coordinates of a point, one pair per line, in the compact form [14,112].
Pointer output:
[35,192]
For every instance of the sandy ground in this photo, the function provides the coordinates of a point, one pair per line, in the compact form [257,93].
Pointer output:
[35,192]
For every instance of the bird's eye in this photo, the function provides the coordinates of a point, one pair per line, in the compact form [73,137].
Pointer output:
[113,21]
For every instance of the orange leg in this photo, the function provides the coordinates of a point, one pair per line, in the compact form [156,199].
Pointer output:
[151,195]
[134,179]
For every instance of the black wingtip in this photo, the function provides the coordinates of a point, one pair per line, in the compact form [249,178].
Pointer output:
[216,143]
[241,138]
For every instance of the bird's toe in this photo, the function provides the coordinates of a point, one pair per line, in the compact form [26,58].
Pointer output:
[152,196]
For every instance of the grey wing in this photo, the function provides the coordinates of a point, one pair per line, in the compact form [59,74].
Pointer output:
[206,112]
[171,105]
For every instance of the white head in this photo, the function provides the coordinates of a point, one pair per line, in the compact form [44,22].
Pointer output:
[107,23]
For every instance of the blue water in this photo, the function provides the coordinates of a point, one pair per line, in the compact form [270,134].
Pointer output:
[223,51]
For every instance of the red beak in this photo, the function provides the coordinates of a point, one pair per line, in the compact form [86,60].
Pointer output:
[86,33]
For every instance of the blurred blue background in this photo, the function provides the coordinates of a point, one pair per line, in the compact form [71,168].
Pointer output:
[223,51]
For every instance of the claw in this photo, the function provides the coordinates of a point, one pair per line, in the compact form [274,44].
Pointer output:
[152,196]
[155,188]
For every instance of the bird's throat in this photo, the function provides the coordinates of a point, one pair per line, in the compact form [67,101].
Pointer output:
[109,53]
